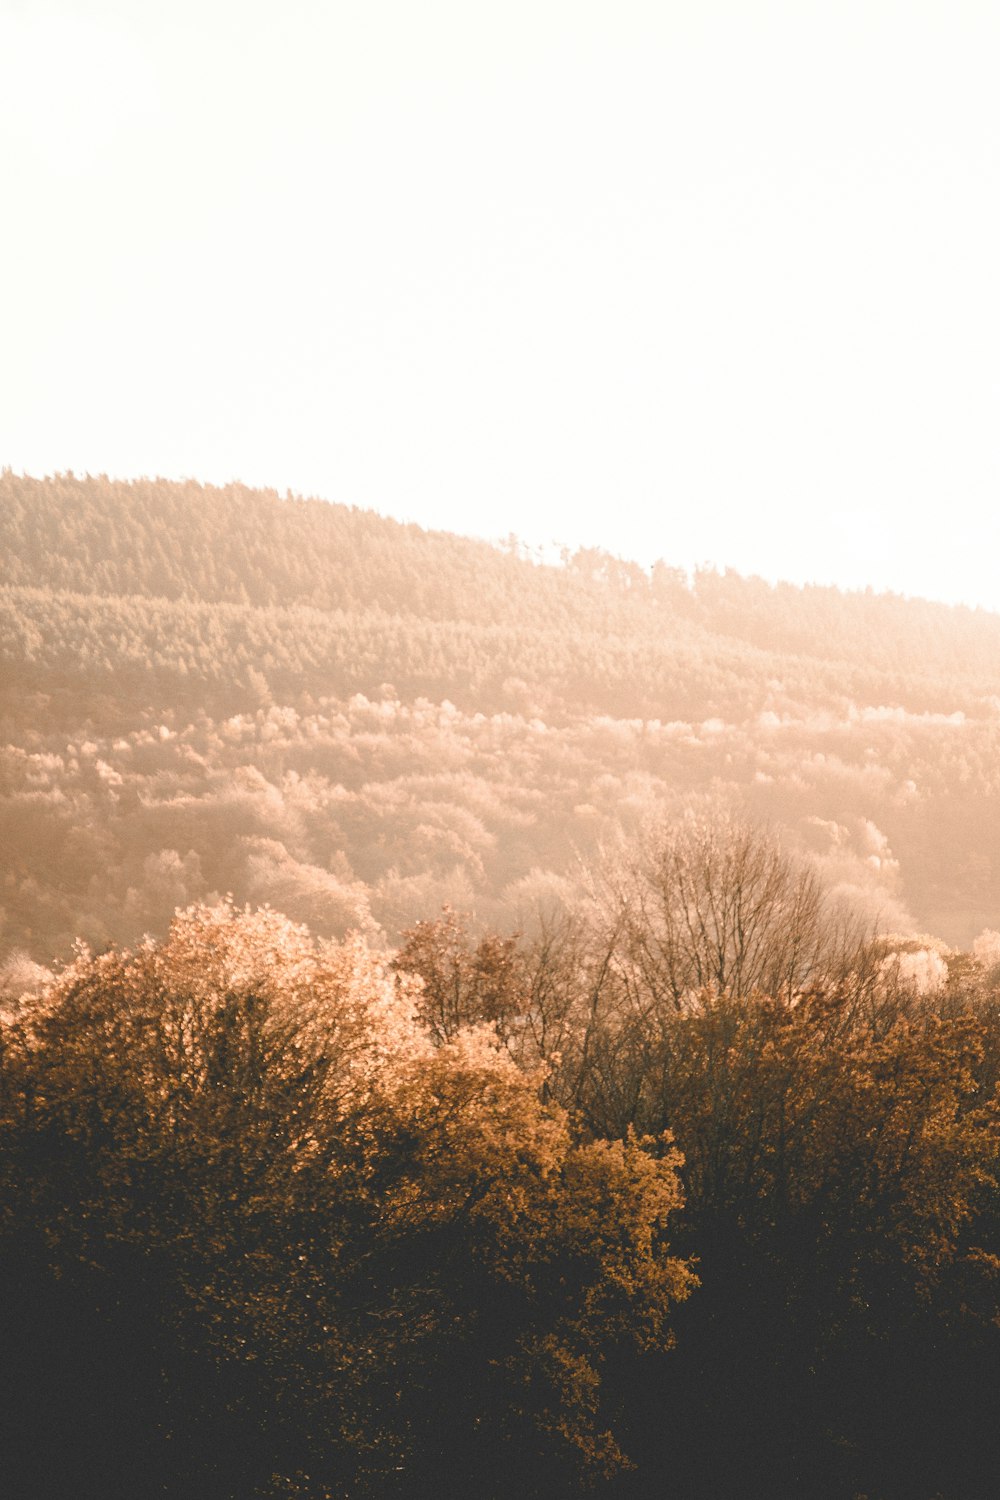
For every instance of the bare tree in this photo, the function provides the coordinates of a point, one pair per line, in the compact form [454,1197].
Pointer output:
[715,903]
[703,909]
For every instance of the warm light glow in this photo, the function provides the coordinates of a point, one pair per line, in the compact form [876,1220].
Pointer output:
[708,281]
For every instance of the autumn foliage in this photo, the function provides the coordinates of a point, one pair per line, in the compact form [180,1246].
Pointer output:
[341,1258]
[503,1214]
[841,1166]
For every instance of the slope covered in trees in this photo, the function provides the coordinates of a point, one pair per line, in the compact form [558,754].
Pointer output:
[156,539]
[222,690]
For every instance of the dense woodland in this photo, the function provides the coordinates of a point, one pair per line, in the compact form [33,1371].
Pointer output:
[503,1051]
[693,1192]
[210,691]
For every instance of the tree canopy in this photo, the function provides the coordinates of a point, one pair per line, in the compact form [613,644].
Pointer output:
[323,1239]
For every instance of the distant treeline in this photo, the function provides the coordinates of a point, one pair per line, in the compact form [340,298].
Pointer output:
[224,657]
[159,539]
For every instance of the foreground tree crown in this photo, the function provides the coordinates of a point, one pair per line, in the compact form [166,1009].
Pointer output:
[279,1217]
[246,1144]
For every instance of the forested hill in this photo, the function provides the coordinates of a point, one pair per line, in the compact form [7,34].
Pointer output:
[250,547]
[233,545]
[210,690]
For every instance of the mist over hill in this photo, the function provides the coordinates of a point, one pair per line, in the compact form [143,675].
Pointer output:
[355,720]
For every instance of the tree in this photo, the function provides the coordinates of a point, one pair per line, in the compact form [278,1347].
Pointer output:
[463,983]
[715,902]
[328,1235]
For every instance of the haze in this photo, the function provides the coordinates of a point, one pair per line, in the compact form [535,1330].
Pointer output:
[701,281]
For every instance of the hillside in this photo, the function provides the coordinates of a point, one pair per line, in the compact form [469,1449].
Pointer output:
[210,690]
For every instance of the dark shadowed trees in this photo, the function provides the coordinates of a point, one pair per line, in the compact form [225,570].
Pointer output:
[264,1235]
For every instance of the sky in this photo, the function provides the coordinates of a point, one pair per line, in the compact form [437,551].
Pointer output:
[710,281]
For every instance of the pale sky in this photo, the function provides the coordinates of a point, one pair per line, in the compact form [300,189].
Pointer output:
[697,280]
